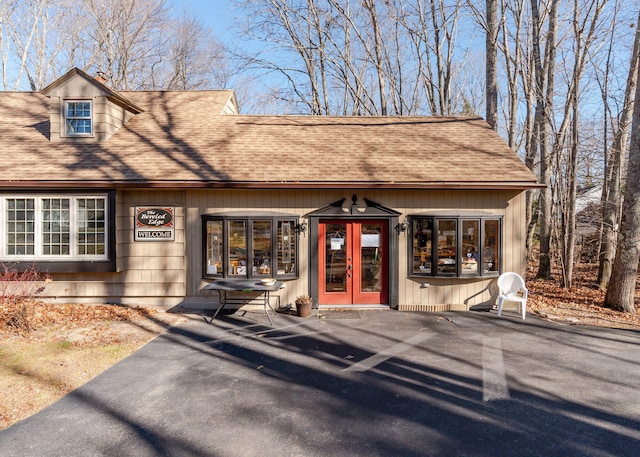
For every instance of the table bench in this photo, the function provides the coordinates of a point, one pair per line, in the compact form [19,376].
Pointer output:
[226,287]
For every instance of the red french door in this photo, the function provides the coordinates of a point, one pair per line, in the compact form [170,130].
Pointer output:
[352,256]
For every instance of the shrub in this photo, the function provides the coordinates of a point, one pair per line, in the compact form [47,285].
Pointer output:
[18,289]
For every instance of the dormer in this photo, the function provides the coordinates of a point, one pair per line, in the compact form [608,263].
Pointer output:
[84,109]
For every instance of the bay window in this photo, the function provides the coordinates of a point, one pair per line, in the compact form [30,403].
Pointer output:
[250,247]
[460,246]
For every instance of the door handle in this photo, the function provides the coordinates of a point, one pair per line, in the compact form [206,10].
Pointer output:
[349,267]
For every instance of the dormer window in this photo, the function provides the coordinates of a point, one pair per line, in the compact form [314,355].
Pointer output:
[78,118]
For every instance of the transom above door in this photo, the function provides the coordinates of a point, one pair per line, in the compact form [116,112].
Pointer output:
[353,262]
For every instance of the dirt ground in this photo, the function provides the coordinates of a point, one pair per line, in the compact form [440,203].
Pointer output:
[64,346]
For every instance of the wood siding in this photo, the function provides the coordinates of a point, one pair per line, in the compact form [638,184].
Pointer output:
[170,272]
[462,293]
[148,272]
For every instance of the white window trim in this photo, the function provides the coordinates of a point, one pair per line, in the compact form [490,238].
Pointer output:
[73,232]
[64,118]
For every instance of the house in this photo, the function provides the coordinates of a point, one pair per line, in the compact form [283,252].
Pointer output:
[146,197]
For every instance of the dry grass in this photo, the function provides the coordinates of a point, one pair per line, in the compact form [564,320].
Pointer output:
[63,347]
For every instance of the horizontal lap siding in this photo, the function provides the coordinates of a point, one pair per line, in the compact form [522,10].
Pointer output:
[151,268]
[296,203]
[148,272]
[171,272]
[463,293]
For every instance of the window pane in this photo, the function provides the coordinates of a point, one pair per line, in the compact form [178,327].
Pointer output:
[238,248]
[470,243]
[447,242]
[490,253]
[261,246]
[214,248]
[91,225]
[422,250]
[286,247]
[20,226]
[371,257]
[336,257]
[78,118]
[55,226]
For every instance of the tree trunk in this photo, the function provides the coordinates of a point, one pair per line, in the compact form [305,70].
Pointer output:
[571,210]
[492,63]
[544,111]
[620,293]
[612,189]
[582,49]
[370,5]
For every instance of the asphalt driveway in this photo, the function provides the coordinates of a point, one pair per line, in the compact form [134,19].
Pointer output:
[368,383]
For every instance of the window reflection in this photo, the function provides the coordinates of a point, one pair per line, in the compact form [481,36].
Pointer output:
[336,257]
[422,250]
[249,247]
[490,251]
[470,245]
[238,248]
[286,248]
[261,243]
[371,258]
[214,248]
[447,244]
[454,246]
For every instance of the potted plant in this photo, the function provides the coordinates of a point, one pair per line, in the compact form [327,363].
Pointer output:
[304,303]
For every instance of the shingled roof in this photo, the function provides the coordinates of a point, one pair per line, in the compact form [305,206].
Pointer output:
[181,139]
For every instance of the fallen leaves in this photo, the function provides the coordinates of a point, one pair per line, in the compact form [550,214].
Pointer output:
[582,304]
[25,317]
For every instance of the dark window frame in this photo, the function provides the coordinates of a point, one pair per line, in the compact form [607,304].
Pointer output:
[249,220]
[433,263]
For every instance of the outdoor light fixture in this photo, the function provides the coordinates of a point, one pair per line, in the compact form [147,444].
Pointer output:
[402,227]
[300,227]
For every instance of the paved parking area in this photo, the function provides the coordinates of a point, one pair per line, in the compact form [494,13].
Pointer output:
[368,383]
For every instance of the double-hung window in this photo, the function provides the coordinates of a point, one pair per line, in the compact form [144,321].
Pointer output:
[78,119]
[250,247]
[459,246]
[54,227]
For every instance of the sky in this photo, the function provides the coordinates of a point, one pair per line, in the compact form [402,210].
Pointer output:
[217,14]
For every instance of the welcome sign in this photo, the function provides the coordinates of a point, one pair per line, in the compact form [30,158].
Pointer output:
[154,223]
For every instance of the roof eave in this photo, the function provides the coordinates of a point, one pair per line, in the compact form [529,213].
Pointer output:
[198,184]
[113,95]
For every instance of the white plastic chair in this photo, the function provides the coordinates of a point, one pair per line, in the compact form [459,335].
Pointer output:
[512,288]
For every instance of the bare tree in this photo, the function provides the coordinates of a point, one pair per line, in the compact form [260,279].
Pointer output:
[361,57]
[437,34]
[370,7]
[545,78]
[138,44]
[30,40]
[620,293]
[585,23]
[492,63]
[612,186]
[122,33]
[192,59]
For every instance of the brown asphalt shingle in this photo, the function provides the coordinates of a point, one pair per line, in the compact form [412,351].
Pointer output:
[182,139]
